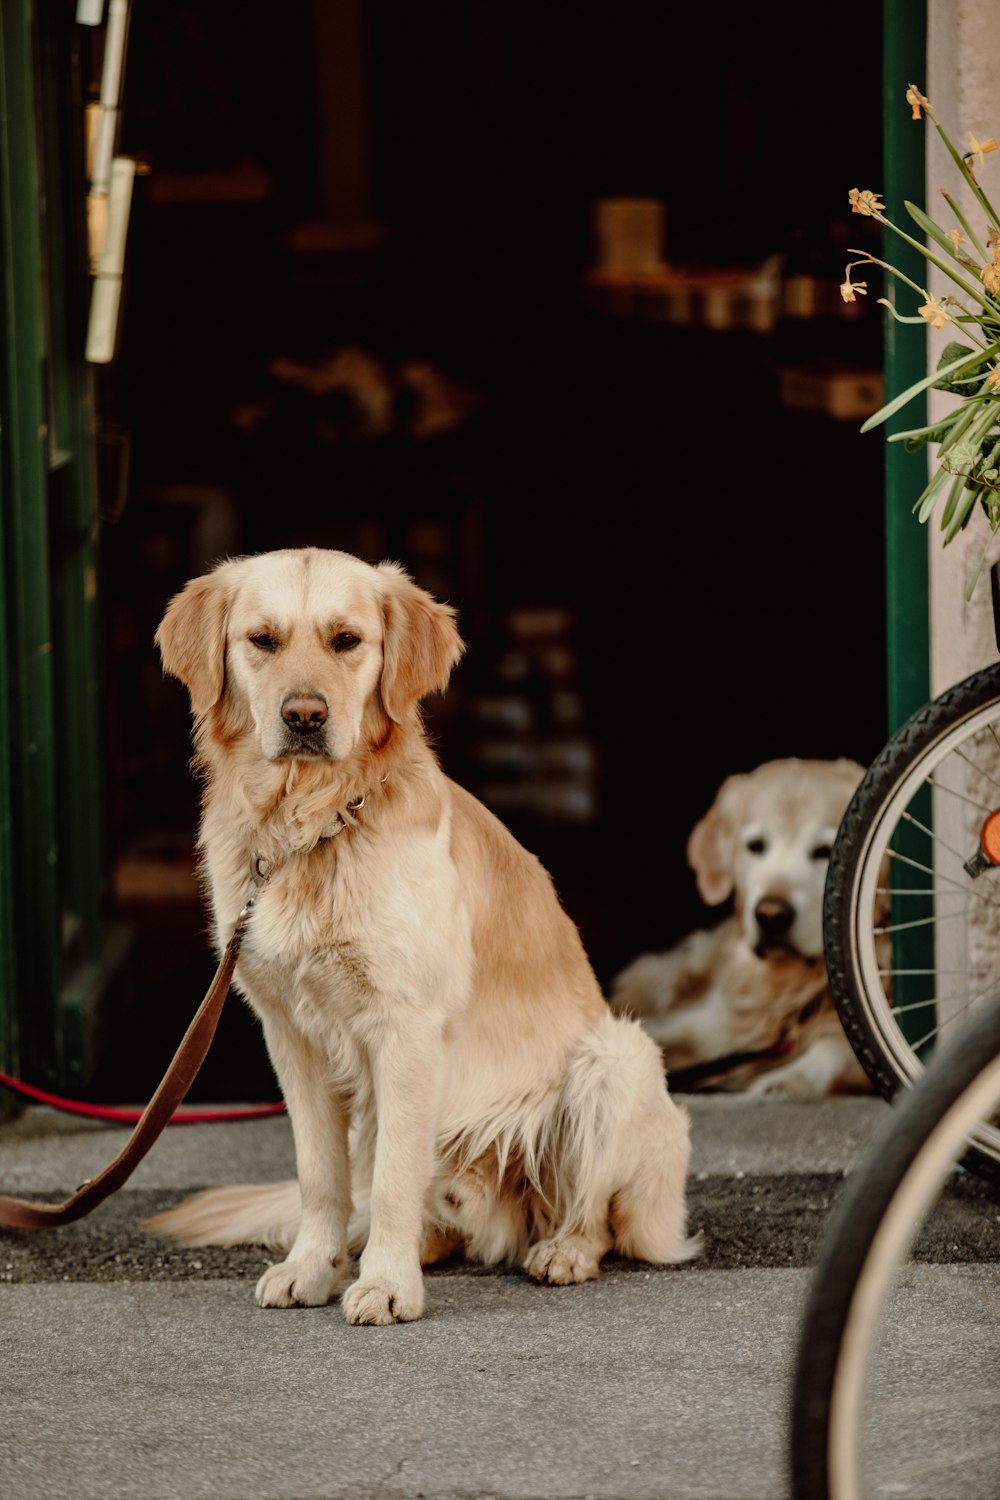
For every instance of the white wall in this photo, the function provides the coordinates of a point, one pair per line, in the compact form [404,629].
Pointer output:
[963,66]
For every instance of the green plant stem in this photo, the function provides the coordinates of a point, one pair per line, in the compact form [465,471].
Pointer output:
[975,292]
[973,238]
[967,176]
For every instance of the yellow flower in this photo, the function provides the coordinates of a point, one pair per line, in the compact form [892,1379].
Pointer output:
[980,148]
[866,203]
[993,378]
[849,287]
[957,237]
[916,101]
[934,313]
[990,277]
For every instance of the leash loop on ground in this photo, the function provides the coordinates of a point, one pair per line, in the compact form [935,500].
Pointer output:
[23,1213]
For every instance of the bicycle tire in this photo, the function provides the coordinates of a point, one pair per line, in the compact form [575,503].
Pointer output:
[872,1226]
[936,743]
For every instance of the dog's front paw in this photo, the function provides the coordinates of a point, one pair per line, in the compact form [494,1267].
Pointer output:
[784,1083]
[563,1260]
[380,1300]
[300,1283]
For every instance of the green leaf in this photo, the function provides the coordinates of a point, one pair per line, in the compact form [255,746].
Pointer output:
[925,502]
[952,501]
[919,437]
[961,514]
[954,351]
[893,406]
[975,577]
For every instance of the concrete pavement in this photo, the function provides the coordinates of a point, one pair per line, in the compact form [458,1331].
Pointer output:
[134,1370]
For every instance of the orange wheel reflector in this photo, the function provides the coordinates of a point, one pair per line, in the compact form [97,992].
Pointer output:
[989,838]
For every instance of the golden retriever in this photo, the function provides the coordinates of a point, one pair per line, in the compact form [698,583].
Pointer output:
[744,1004]
[455,1079]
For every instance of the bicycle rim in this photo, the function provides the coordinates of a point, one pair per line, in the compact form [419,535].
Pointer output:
[888,1401]
[913,937]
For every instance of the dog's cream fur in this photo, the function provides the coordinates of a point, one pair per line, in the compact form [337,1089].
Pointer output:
[455,1079]
[756,982]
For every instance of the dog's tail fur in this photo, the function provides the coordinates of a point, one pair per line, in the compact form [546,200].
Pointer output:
[250,1214]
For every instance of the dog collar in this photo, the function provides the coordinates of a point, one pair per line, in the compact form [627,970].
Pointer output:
[261,867]
[345,815]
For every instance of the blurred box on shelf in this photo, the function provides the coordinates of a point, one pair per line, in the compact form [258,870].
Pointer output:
[808,297]
[829,388]
[629,233]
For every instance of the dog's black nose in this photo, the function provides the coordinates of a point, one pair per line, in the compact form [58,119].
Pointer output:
[304,712]
[774,916]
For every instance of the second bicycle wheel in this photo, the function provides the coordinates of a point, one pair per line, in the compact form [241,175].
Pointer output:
[912,904]
[895,1394]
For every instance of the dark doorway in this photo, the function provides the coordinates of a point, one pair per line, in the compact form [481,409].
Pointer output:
[357,315]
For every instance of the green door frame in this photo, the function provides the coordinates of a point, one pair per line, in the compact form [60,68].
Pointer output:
[61,956]
[905,362]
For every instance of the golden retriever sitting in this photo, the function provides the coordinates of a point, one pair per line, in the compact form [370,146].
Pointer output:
[744,1005]
[454,1077]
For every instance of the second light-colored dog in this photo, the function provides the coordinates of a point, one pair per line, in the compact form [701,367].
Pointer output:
[749,994]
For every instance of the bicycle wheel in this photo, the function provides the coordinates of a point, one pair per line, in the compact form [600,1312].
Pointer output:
[896,1387]
[911,915]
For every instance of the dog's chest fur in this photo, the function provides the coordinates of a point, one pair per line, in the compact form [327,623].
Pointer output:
[350,934]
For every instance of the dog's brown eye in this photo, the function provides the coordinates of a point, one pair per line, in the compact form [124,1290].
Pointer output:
[756,846]
[346,641]
[264,642]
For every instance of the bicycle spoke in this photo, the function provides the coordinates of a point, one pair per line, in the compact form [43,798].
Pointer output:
[913,943]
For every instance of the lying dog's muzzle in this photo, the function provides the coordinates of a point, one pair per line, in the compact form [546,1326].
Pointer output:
[775,918]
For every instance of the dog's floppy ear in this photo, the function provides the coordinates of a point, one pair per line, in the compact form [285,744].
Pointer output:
[711,845]
[421,644]
[192,638]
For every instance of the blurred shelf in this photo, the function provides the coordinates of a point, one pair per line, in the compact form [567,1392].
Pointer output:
[722,299]
[830,388]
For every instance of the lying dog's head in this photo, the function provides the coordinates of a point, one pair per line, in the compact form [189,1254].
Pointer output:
[766,842]
[310,651]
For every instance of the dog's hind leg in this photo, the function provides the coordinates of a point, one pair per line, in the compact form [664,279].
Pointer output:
[648,1209]
[569,1256]
[623,1150]
[485,1204]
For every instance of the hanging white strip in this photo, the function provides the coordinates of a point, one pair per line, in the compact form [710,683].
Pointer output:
[105,297]
[89,12]
[111,82]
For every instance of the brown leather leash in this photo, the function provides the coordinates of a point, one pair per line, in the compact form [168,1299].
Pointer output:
[23,1213]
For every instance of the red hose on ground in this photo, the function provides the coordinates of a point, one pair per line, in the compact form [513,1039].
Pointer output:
[118,1116]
